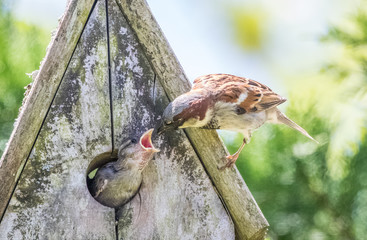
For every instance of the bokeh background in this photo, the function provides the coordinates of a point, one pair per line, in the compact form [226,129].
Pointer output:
[313,52]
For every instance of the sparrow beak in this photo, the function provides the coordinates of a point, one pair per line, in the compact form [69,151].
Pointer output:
[162,128]
[146,141]
[165,127]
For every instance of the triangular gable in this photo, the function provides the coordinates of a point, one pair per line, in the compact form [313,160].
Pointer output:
[131,66]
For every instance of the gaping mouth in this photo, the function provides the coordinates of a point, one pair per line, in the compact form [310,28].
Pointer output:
[146,141]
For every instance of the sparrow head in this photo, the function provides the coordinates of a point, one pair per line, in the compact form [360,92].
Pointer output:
[187,108]
[169,120]
[137,154]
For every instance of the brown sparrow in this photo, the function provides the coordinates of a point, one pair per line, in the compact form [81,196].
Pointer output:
[117,182]
[223,101]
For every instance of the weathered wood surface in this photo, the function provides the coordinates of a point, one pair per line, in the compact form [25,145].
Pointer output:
[177,199]
[51,200]
[248,218]
[44,88]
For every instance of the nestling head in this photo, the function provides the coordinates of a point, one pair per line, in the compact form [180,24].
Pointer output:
[137,153]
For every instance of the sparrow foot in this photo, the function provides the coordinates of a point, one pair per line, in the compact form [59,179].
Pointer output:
[231,159]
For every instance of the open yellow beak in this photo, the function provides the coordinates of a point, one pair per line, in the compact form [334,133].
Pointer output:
[146,141]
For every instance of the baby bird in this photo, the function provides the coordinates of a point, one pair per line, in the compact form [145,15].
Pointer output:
[224,101]
[117,182]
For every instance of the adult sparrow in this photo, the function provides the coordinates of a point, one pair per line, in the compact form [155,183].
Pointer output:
[117,182]
[224,101]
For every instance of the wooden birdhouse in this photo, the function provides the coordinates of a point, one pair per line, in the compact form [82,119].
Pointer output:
[108,74]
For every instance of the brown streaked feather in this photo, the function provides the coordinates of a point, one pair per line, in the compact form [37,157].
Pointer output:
[254,97]
[211,81]
[197,109]
[228,88]
[228,92]
[270,103]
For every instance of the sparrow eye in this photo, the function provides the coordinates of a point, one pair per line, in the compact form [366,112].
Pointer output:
[134,140]
[240,110]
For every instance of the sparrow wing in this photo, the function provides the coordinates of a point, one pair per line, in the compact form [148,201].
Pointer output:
[100,186]
[260,98]
[101,178]
[247,93]
[215,81]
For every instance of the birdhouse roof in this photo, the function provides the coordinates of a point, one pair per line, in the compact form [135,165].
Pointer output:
[108,73]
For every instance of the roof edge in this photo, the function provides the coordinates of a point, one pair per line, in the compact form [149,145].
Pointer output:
[37,103]
[246,215]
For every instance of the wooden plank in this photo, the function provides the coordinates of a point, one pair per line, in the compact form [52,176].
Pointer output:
[248,218]
[39,100]
[176,199]
[51,200]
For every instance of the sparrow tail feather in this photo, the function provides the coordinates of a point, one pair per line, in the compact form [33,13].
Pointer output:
[282,118]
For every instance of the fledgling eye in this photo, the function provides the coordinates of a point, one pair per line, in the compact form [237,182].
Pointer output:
[168,122]
[134,140]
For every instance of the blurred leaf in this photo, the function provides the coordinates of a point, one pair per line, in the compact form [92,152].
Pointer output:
[249,27]
[310,191]
[22,48]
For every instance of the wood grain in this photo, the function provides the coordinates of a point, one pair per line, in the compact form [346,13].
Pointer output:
[40,97]
[51,199]
[176,197]
[247,217]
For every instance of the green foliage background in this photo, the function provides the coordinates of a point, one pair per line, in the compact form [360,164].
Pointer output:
[22,47]
[306,191]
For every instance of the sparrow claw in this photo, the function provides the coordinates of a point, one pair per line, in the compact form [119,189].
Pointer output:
[231,159]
